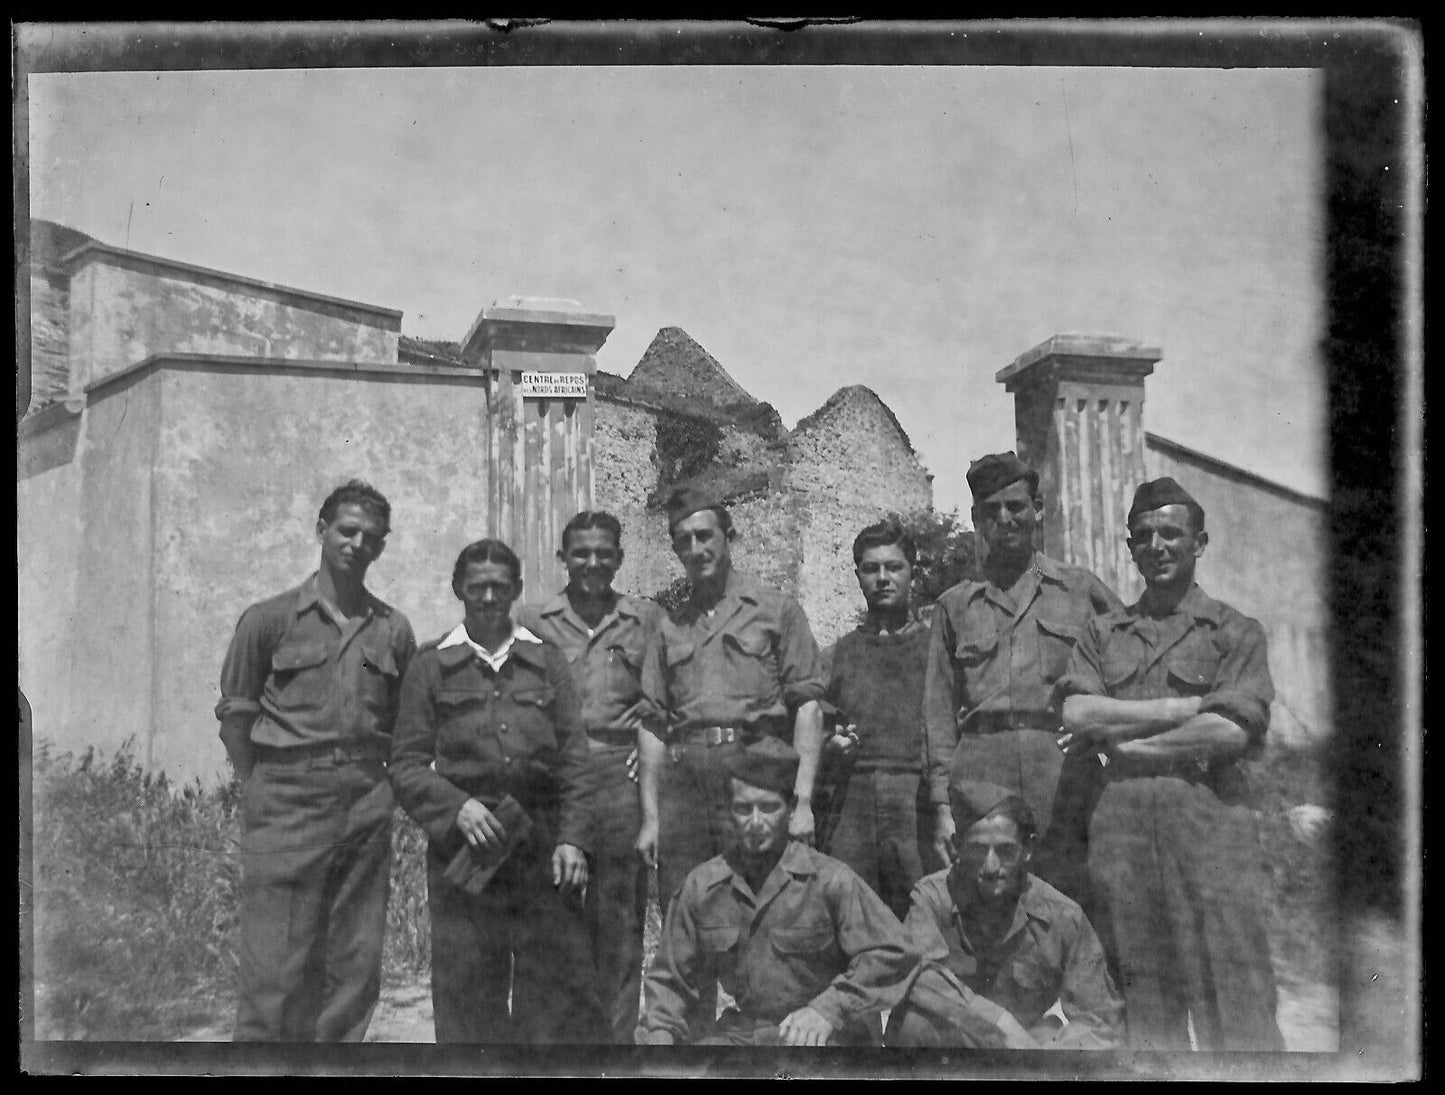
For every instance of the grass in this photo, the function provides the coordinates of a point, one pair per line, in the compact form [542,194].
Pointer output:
[136,883]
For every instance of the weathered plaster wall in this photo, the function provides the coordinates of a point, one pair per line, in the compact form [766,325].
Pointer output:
[125,308]
[1266,557]
[244,460]
[112,648]
[47,542]
[849,467]
[624,440]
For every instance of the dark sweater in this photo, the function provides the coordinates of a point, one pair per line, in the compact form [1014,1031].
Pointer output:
[876,681]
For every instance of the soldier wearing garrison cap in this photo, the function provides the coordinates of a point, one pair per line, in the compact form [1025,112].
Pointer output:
[809,954]
[1001,946]
[1174,690]
[735,664]
[997,646]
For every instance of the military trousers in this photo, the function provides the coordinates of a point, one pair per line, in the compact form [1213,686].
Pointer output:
[695,812]
[616,904]
[315,877]
[871,824]
[520,938]
[1179,887]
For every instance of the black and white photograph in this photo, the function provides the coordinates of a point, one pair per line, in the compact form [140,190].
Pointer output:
[771,548]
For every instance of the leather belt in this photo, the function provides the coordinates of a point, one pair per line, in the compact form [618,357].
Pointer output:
[713,735]
[612,738]
[996,722]
[1191,771]
[337,754]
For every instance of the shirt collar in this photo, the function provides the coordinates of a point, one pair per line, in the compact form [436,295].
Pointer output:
[495,659]
[1196,604]
[1030,904]
[308,595]
[1049,570]
[796,860]
[559,604]
[869,626]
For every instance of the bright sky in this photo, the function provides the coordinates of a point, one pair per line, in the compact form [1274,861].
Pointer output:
[912,229]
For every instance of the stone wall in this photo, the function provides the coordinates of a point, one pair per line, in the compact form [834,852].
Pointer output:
[49,327]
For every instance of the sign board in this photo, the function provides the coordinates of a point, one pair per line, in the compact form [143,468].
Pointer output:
[554,386]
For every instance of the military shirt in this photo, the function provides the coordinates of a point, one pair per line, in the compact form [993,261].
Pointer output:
[467,731]
[605,661]
[312,677]
[1050,952]
[815,935]
[748,662]
[992,659]
[1203,648]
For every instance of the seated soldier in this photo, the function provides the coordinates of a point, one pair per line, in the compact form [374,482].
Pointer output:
[1000,946]
[809,953]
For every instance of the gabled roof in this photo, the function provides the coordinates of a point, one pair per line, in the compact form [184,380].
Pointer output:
[674,364]
[861,397]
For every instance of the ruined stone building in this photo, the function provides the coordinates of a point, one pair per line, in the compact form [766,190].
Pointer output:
[185,424]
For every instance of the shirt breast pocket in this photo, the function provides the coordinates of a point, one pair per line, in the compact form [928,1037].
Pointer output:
[624,664]
[299,675]
[1193,674]
[1056,646]
[752,664]
[379,675]
[535,713]
[972,651]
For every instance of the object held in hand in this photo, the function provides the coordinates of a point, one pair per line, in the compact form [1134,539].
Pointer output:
[472,868]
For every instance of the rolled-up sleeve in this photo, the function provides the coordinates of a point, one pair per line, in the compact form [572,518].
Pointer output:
[1243,689]
[800,668]
[879,960]
[940,718]
[432,800]
[247,664]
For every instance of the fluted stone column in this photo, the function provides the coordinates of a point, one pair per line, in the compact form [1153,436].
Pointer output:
[1079,417]
[541,446]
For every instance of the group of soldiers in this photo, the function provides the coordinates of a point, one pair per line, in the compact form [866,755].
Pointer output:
[1019,823]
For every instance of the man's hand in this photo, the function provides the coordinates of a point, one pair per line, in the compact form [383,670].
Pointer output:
[801,828]
[632,766]
[569,868]
[805,1027]
[480,826]
[943,833]
[844,743]
[1083,742]
[646,843]
[1014,1035]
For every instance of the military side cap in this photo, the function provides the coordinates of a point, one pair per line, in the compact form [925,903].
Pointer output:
[685,501]
[990,474]
[768,764]
[1157,493]
[973,800]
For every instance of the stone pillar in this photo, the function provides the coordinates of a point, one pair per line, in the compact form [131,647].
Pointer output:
[538,356]
[1079,417]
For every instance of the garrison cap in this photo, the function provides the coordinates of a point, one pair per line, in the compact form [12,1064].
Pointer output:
[1158,493]
[768,764]
[972,801]
[685,501]
[990,474]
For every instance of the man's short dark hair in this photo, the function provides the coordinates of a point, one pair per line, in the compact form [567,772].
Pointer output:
[357,492]
[589,519]
[884,534]
[486,551]
[724,521]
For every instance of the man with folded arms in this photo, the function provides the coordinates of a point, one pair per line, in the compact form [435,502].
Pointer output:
[809,954]
[1000,946]
[997,646]
[1174,690]
[735,664]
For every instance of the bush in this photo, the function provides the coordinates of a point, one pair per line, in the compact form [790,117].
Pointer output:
[946,553]
[136,890]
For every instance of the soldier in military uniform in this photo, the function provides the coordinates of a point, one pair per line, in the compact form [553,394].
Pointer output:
[997,646]
[809,954]
[1174,690]
[1001,946]
[309,694]
[603,634]
[736,663]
